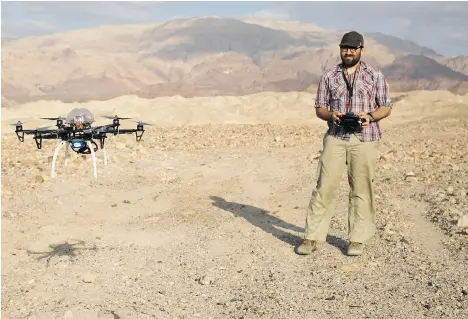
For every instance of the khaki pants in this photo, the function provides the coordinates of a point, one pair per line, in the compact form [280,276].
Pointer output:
[360,159]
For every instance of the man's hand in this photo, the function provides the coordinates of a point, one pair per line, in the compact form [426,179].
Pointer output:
[365,116]
[336,116]
[326,115]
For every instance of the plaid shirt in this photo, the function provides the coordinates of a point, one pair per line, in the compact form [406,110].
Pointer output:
[370,91]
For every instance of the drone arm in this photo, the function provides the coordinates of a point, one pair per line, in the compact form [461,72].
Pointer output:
[138,132]
[126,131]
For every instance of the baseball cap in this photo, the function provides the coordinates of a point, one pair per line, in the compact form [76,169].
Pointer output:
[352,39]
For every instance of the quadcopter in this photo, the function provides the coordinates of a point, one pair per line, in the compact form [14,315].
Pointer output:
[76,130]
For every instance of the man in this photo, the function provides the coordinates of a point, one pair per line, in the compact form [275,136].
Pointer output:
[351,86]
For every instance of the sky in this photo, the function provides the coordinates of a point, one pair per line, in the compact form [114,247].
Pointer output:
[441,26]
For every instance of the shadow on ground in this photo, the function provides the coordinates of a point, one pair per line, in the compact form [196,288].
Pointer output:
[271,224]
[58,250]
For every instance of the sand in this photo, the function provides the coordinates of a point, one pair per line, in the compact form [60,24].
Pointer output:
[200,219]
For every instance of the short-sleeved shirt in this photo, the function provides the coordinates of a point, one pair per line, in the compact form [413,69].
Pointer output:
[370,91]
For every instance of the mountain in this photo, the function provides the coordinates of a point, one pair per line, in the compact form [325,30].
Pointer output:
[458,63]
[203,57]
[418,72]
[402,46]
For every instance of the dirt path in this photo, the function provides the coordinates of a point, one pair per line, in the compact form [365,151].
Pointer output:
[185,231]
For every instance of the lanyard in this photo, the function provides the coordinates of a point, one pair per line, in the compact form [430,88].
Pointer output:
[349,87]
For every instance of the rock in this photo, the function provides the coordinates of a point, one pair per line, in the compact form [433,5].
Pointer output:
[68,315]
[172,179]
[386,166]
[278,139]
[450,190]
[349,267]
[463,221]
[205,280]
[387,229]
[411,177]
[39,179]
[89,278]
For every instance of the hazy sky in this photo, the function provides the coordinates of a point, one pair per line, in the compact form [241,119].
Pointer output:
[442,26]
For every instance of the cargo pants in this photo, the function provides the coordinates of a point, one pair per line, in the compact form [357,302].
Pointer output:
[360,160]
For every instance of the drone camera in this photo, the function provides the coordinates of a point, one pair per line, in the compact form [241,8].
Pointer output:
[139,127]
[78,144]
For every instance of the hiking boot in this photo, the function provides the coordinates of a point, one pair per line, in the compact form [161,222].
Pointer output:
[355,249]
[307,247]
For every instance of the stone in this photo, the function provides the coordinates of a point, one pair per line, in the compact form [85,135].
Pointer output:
[39,179]
[205,280]
[463,221]
[349,267]
[89,278]
[411,177]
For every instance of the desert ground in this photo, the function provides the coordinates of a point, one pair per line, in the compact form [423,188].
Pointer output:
[200,219]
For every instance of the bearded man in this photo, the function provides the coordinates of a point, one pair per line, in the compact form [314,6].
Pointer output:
[349,88]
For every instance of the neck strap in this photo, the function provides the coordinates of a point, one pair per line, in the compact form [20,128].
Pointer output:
[348,85]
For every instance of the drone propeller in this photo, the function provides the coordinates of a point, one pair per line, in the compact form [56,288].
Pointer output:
[17,123]
[143,123]
[116,117]
[53,118]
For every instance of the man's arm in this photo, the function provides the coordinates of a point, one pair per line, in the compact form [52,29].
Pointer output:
[322,102]
[381,113]
[323,113]
[382,99]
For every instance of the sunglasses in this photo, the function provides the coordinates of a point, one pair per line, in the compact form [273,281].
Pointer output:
[352,50]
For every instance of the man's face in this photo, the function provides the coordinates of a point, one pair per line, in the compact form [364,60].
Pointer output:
[350,56]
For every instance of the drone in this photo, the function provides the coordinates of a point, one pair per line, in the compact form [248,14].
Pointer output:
[76,130]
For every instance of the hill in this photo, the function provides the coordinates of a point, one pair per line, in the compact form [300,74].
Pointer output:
[201,57]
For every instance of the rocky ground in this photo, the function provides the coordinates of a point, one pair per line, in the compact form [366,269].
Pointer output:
[201,222]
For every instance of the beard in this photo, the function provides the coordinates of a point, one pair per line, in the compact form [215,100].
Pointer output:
[349,61]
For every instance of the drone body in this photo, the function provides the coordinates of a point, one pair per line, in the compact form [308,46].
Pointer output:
[76,130]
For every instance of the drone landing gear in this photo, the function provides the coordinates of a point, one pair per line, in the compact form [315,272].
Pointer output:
[20,135]
[67,145]
[139,135]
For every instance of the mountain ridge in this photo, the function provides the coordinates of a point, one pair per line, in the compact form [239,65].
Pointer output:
[203,57]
